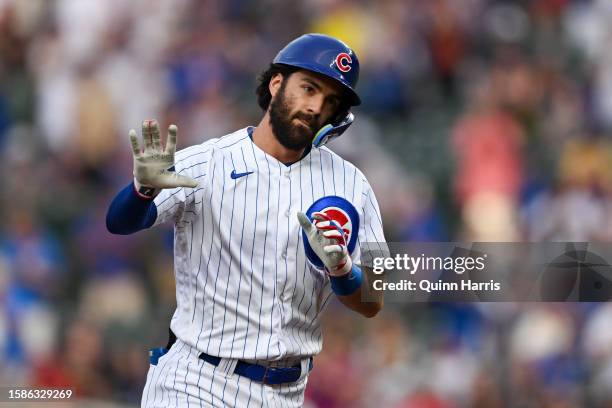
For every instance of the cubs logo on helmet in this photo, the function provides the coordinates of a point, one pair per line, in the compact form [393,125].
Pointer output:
[343,213]
[343,61]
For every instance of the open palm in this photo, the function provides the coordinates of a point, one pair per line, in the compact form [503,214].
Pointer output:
[153,163]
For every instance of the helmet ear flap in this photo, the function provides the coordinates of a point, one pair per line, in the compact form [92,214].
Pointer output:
[333,130]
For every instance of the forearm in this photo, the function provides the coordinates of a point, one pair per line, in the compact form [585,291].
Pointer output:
[365,300]
[129,213]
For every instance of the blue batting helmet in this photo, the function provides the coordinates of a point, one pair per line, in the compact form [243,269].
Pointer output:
[325,55]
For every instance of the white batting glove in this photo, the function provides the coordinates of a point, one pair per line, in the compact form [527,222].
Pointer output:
[151,164]
[327,240]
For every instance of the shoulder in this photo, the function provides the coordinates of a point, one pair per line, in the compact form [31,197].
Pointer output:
[340,164]
[232,140]
[195,152]
[210,146]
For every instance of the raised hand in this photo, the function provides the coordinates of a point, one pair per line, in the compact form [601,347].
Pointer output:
[152,164]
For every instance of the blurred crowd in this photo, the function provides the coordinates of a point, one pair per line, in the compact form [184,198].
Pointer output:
[482,121]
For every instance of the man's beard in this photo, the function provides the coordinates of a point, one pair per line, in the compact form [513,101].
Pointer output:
[291,136]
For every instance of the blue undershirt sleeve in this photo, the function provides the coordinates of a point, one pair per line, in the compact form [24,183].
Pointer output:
[129,213]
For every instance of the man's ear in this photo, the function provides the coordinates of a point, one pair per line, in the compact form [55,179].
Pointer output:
[275,84]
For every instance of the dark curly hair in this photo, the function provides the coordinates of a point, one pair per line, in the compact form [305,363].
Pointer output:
[263,92]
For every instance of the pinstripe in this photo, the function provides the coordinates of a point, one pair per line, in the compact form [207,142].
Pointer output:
[291,339]
[280,307]
[374,209]
[331,159]
[321,165]
[262,395]
[150,383]
[237,392]
[312,297]
[173,351]
[192,166]
[192,286]
[212,319]
[297,244]
[344,178]
[354,179]
[246,187]
[305,266]
[373,236]
[180,276]
[159,368]
[147,386]
[195,190]
[207,264]
[264,264]
[327,298]
[195,296]
[223,391]
[250,393]
[178,190]
[313,283]
[233,143]
[199,379]
[229,267]
[227,286]
[182,159]
[185,381]
[253,241]
[166,387]
[210,389]
[179,155]
[171,209]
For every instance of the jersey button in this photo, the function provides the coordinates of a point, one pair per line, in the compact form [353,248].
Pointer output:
[287,214]
[284,256]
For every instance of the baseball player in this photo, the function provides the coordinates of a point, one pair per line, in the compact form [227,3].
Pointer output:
[267,228]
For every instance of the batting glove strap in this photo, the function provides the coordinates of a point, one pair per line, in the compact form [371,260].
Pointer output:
[347,284]
[342,269]
[145,192]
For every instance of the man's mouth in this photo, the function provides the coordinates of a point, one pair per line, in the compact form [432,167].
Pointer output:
[304,122]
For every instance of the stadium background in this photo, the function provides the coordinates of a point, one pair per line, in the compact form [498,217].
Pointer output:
[482,121]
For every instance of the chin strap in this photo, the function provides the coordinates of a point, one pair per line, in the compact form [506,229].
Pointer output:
[329,132]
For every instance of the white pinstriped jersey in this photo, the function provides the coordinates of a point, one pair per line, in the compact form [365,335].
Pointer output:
[243,286]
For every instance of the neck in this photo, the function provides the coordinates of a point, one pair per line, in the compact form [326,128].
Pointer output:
[264,138]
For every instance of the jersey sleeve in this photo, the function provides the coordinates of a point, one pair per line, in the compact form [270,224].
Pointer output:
[176,203]
[372,241]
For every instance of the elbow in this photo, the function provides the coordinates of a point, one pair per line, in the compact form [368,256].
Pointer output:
[128,213]
[114,227]
[371,309]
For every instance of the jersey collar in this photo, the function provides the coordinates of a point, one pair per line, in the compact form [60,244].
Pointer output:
[250,130]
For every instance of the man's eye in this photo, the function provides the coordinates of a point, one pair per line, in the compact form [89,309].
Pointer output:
[308,88]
